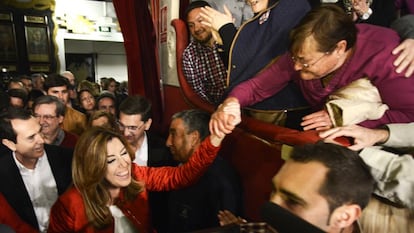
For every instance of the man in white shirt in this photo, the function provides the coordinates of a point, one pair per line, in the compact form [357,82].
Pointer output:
[150,149]
[33,174]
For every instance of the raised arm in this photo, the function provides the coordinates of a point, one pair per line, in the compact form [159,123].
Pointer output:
[169,178]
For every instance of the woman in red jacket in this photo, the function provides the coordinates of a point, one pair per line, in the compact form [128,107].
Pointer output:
[9,218]
[109,192]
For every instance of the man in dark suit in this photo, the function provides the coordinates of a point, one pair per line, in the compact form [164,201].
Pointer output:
[33,174]
[150,149]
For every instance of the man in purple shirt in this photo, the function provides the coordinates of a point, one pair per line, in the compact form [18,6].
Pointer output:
[328,52]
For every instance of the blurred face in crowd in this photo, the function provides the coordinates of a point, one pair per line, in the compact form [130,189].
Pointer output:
[133,128]
[61,93]
[257,5]
[48,120]
[27,83]
[112,87]
[181,143]
[199,32]
[38,83]
[16,102]
[108,105]
[118,171]
[87,101]
[102,121]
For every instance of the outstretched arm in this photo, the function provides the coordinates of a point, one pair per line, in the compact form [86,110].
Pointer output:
[363,137]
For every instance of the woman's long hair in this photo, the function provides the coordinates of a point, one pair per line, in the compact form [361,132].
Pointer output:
[89,167]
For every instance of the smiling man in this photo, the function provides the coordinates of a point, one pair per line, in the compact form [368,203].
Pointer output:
[50,112]
[202,63]
[33,174]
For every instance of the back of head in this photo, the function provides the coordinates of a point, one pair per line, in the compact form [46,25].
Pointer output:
[56,80]
[7,131]
[48,99]
[136,105]
[328,24]
[195,120]
[345,170]
[193,5]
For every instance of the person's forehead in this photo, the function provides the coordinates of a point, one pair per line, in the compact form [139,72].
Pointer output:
[193,15]
[133,117]
[106,100]
[24,128]
[303,179]
[59,88]
[177,124]
[45,108]
[308,47]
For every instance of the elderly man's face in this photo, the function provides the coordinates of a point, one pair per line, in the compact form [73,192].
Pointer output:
[296,188]
[313,64]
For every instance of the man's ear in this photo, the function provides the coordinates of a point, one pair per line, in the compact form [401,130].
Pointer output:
[344,216]
[340,48]
[195,138]
[61,118]
[9,144]
[148,124]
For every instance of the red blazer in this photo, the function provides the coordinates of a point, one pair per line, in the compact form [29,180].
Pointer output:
[9,217]
[68,213]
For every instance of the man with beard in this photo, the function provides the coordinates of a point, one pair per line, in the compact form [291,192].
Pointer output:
[202,62]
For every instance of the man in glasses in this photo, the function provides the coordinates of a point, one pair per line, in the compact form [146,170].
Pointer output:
[328,53]
[50,112]
[150,150]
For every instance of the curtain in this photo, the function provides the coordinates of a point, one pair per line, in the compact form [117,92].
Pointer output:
[141,52]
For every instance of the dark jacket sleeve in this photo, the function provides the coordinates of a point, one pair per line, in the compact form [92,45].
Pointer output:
[404,26]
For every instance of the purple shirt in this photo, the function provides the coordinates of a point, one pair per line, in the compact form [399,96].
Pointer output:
[372,58]
[405,4]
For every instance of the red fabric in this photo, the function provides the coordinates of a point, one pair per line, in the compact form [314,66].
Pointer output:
[69,141]
[68,213]
[141,52]
[9,217]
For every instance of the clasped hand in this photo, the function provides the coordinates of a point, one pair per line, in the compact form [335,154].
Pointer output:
[225,118]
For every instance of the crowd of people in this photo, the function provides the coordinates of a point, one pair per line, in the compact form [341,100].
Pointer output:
[80,156]
[346,62]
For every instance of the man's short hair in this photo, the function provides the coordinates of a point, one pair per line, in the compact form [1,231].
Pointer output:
[328,24]
[195,120]
[7,131]
[48,99]
[348,180]
[56,80]
[106,94]
[193,5]
[136,105]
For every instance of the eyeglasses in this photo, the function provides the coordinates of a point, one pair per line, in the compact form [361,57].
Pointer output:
[129,127]
[306,65]
[45,117]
